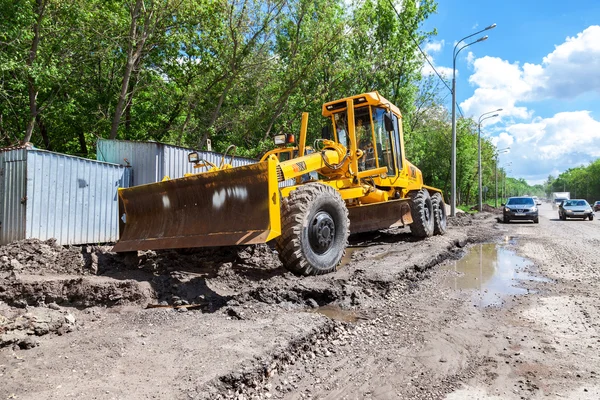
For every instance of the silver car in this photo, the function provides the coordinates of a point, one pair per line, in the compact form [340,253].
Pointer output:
[576,208]
[520,208]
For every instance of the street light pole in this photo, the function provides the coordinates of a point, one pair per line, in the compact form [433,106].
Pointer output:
[453,161]
[498,152]
[505,176]
[480,203]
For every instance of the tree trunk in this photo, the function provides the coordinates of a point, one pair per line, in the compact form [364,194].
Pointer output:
[82,144]
[128,115]
[31,87]
[185,124]
[44,132]
[217,111]
[134,53]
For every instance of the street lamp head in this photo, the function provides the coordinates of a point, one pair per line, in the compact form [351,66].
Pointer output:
[481,39]
[492,26]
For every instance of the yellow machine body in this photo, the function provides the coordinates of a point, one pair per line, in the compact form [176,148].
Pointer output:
[363,160]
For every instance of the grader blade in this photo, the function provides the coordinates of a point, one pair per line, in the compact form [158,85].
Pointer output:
[222,208]
[372,217]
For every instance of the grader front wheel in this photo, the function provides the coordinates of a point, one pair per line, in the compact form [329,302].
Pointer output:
[315,229]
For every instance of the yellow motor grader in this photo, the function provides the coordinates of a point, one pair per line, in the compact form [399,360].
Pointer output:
[307,199]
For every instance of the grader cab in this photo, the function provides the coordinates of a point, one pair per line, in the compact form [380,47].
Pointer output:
[355,179]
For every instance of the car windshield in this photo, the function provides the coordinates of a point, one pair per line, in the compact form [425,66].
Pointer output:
[572,203]
[520,201]
[559,200]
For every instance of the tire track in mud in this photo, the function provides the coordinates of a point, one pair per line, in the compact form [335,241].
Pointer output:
[391,353]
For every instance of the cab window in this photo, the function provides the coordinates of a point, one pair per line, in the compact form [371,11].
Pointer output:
[383,142]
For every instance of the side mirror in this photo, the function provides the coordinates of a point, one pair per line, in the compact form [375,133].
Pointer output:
[326,132]
[502,204]
[388,122]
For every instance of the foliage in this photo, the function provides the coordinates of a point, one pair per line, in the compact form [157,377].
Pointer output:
[230,71]
[582,182]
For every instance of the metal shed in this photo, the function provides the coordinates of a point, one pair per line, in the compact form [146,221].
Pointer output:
[152,161]
[51,195]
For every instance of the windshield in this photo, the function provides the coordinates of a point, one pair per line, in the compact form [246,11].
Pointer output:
[575,203]
[520,201]
[559,200]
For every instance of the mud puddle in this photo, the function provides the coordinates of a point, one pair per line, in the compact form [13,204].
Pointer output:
[348,255]
[493,272]
[350,251]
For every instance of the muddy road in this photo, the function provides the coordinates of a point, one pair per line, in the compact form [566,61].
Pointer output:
[488,311]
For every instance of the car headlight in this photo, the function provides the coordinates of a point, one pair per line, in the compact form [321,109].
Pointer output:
[534,209]
[506,209]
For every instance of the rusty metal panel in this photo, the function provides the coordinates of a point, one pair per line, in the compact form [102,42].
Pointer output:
[152,161]
[220,208]
[372,217]
[13,176]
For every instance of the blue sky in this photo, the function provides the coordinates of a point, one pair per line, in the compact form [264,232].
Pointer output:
[541,65]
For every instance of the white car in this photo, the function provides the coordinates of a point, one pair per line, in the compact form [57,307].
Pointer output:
[538,202]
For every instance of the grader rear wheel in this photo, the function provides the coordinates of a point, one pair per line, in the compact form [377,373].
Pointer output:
[440,221]
[315,229]
[422,214]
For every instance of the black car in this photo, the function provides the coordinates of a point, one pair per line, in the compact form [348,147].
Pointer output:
[520,208]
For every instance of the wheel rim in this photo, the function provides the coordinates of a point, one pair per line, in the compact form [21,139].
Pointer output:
[321,232]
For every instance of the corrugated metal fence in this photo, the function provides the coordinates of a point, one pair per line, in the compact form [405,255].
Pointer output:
[152,161]
[50,195]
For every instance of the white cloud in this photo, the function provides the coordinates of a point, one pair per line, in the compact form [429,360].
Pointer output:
[445,72]
[433,47]
[572,68]
[546,145]
[427,70]
[542,146]
[569,71]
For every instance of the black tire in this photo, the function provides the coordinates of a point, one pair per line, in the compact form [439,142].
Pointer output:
[506,219]
[591,217]
[536,220]
[315,229]
[440,220]
[421,210]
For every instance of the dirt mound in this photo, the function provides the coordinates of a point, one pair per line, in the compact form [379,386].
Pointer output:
[34,256]
[490,209]
[461,219]
[20,327]
[34,273]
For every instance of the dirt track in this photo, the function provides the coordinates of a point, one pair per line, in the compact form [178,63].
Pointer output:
[73,323]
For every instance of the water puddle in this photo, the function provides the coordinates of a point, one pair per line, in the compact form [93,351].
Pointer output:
[348,256]
[493,271]
[336,313]
[351,250]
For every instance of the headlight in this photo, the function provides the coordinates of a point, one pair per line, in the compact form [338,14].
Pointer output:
[506,209]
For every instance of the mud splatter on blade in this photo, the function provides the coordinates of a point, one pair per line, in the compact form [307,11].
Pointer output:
[221,208]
